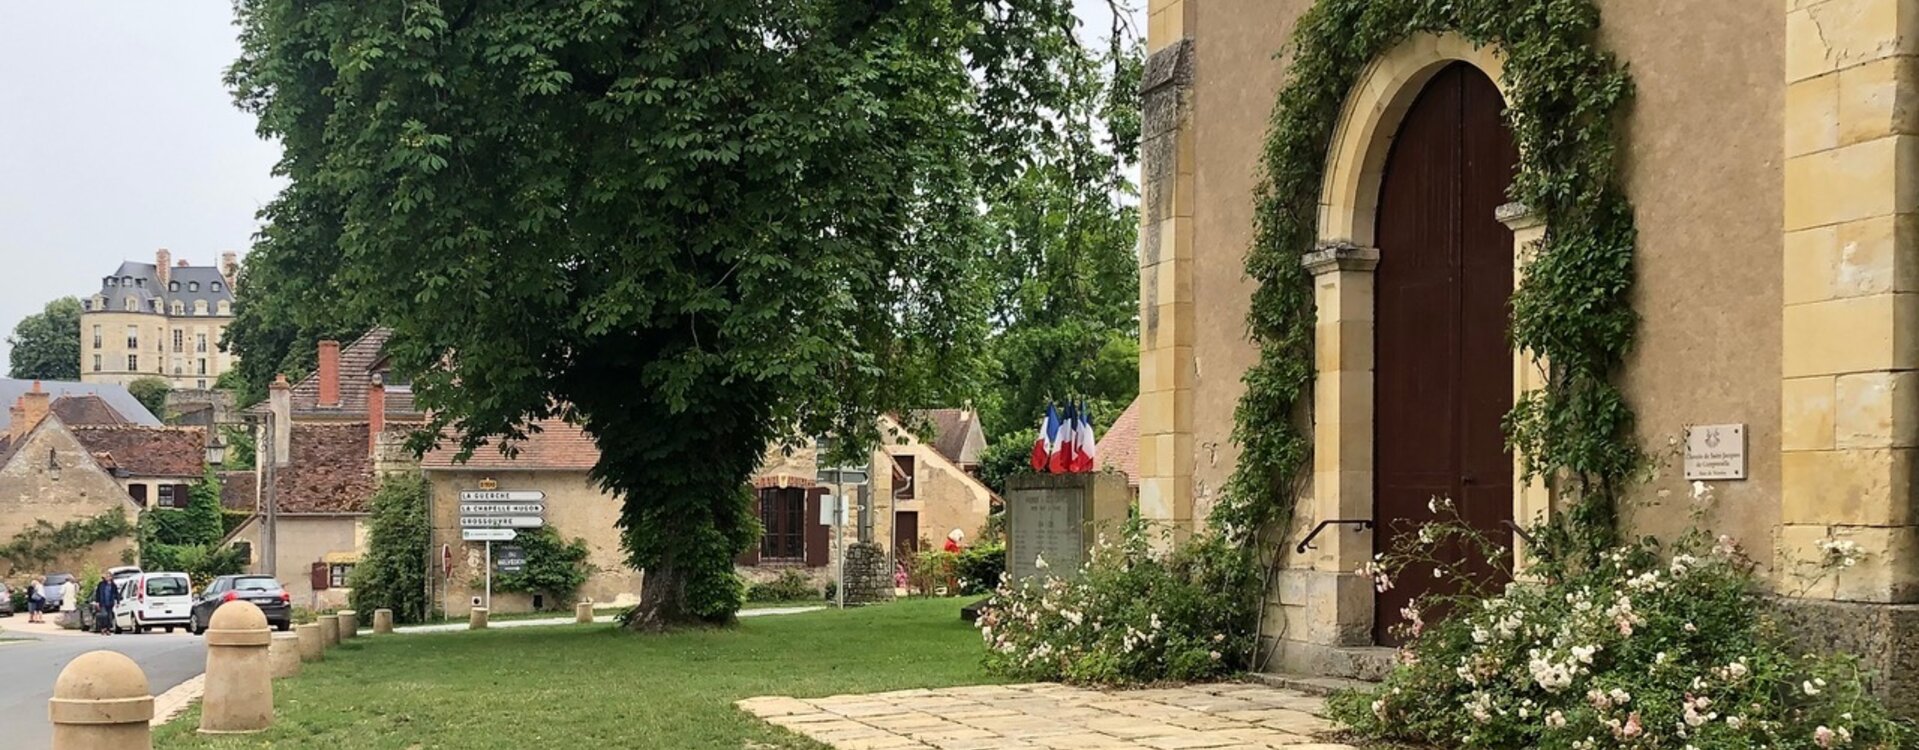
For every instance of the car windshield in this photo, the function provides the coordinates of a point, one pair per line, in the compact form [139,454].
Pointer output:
[166,586]
[256,584]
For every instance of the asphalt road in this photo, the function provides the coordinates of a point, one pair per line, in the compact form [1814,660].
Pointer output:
[28,669]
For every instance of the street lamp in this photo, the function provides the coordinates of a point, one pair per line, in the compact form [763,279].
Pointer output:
[216,450]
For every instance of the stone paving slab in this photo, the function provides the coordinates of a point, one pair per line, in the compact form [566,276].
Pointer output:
[1230,716]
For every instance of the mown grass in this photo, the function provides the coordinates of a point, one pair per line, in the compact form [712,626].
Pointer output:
[596,686]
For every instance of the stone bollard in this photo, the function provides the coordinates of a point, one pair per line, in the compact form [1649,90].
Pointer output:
[284,652]
[476,619]
[101,702]
[583,612]
[239,693]
[382,621]
[330,630]
[349,623]
[312,641]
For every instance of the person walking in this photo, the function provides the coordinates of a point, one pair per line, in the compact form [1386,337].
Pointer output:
[36,598]
[105,594]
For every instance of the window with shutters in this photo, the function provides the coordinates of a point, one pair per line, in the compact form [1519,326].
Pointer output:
[337,575]
[783,516]
[165,499]
[139,494]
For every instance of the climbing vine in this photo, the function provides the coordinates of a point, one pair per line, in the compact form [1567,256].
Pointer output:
[1571,309]
[44,543]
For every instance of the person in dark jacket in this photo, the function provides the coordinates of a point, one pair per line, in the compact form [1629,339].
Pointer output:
[105,594]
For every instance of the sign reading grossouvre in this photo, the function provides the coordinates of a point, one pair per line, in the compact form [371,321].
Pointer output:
[1716,451]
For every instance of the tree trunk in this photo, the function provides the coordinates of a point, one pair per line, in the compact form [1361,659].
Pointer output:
[662,601]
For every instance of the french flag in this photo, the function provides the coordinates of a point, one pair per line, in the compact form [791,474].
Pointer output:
[1047,442]
[1087,448]
[1065,454]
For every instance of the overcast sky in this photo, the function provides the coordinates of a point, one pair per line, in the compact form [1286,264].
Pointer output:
[117,138]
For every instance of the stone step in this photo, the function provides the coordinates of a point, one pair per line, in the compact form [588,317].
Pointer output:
[1309,684]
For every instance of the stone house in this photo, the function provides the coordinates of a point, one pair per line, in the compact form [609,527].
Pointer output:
[156,465]
[47,475]
[159,320]
[918,493]
[332,436]
[554,460]
[1771,184]
[80,403]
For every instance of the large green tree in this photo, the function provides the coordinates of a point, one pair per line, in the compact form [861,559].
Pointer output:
[392,574]
[46,345]
[691,226]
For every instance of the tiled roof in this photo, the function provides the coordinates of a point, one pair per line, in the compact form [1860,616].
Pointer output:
[557,446]
[140,451]
[86,409]
[329,470]
[116,396]
[952,428]
[238,490]
[1119,448]
[357,361]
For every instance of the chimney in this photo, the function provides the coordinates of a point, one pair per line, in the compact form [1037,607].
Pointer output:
[230,267]
[162,261]
[329,373]
[280,404]
[181,263]
[29,410]
[375,412]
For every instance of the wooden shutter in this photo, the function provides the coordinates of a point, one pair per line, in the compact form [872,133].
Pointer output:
[139,493]
[751,556]
[182,495]
[320,576]
[818,535]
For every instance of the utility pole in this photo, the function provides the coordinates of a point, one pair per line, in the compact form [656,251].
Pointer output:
[268,458]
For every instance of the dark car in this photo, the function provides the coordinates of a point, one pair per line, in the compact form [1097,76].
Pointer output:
[265,593]
[50,591]
[6,601]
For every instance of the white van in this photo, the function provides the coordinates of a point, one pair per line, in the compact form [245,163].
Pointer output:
[153,600]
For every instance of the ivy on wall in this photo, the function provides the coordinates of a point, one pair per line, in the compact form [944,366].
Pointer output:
[1572,308]
[44,543]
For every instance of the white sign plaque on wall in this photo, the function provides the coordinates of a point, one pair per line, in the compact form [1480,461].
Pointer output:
[1716,451]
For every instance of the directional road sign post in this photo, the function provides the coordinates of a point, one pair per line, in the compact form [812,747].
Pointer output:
[496,516]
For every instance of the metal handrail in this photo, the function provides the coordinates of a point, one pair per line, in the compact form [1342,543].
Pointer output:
[1305,544]
[1517,529]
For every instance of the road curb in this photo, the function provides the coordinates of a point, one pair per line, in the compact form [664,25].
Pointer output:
[172,702]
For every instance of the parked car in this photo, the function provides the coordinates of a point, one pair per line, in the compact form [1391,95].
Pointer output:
[6,601]
[123,572]
[153,600]
[265,593]
[52,586]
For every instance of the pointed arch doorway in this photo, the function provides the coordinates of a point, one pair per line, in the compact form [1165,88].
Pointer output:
[1443,377]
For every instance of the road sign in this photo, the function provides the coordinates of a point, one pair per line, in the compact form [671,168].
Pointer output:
[446,559]
[854,475]
[485,535]
[501,522]
[510,559]
[502,509]
[501,496]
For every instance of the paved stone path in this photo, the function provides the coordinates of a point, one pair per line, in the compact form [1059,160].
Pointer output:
[1057,717]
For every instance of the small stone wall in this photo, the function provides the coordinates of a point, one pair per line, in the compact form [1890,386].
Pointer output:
[868,580]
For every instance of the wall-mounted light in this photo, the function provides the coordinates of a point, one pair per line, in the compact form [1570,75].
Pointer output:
[217,451]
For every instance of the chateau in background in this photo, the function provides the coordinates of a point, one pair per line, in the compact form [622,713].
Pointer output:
[159,320]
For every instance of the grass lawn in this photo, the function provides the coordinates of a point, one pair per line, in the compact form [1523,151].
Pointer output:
[595,686]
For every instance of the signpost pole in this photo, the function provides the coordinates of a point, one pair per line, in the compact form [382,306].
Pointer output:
[489,575]
[839,536]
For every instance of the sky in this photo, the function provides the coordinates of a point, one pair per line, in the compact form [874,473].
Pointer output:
[118,137]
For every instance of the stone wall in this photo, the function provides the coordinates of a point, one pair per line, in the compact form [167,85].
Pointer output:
[575,508]
[868,577]
[32,490]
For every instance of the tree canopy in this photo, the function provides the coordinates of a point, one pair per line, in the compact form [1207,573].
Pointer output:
[690,226]
[151,392]
[46,344]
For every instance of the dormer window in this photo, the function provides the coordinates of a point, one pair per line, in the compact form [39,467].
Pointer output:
[133,304]
[173,286]
[193,286]
[216,286]
[140,283]
[199,307]
[126,281]
[110,281]
[179,308]
[226,308]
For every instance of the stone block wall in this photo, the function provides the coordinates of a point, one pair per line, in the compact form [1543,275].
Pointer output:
[868,577]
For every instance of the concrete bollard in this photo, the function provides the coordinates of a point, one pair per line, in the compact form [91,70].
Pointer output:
[239,696]
[583,612]
[476,619]
[382,621]
[349,623]
[312,641]
[101,702]
[284,652]
[330,630]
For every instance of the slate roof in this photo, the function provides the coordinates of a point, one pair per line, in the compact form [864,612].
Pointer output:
[238,490]
[358,361]
[952,429]
[330,469]
[86,409]
[136,451]
[558,446]
[185,284]
[116,396]
[1119,448]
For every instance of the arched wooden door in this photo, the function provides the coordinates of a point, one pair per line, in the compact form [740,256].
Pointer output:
[1443,377]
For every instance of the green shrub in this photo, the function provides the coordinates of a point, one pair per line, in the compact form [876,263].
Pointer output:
[790,586]
[934,573]
[392,573]
[1645,649]
[554,567]
[979,567]
[1131,616]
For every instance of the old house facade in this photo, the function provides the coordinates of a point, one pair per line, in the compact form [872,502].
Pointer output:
[49,476]
[1771,188]
[159,320]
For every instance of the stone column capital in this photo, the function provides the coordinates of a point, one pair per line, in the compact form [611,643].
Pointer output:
[1340,256]
[1519,217]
